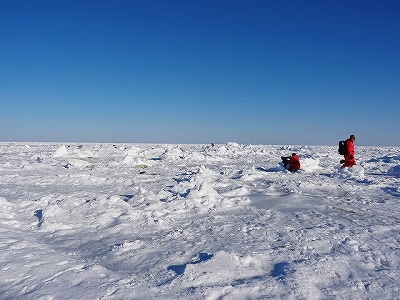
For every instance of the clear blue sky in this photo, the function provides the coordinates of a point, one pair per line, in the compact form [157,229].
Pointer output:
[252,72]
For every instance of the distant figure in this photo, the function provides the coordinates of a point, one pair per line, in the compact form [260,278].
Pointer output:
[212,145]
[349,158]
[291,163]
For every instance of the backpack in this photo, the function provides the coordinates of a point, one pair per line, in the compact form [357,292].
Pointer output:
[342,148]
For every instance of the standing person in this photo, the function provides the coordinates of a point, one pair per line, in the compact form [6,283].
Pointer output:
[349,157]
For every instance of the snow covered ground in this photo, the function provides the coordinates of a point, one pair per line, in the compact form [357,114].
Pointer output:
[82,222]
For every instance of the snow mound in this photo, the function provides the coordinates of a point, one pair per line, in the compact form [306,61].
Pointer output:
[225,266]
[135,157]
[172,153]
[232,144]
[195,155]
[4,202]
[154,153]
[133,151]
[133,160]
[355,172]
[79,152]
[202,189]
[310,164]
[237,192]
[207,173]
[78,163]
[395,171]
[61,152]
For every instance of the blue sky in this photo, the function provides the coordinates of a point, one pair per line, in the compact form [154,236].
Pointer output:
[252,72]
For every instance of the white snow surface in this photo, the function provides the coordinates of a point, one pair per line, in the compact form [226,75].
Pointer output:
[79,221]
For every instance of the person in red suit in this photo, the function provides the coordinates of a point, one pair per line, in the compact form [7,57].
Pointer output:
[294,163]
[291,163]
[349,158]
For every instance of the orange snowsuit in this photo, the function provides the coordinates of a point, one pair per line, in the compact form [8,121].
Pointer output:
[349,159]
[294,163]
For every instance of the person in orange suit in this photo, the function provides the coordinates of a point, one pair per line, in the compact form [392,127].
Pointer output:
[349,158]
[291,163]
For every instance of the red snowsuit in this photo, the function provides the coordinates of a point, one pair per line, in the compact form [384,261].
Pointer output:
[294,163]
[349,159]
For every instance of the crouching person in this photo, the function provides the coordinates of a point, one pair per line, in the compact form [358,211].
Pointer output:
[291,163]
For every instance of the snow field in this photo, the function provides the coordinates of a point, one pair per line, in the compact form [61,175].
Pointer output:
[223,222]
